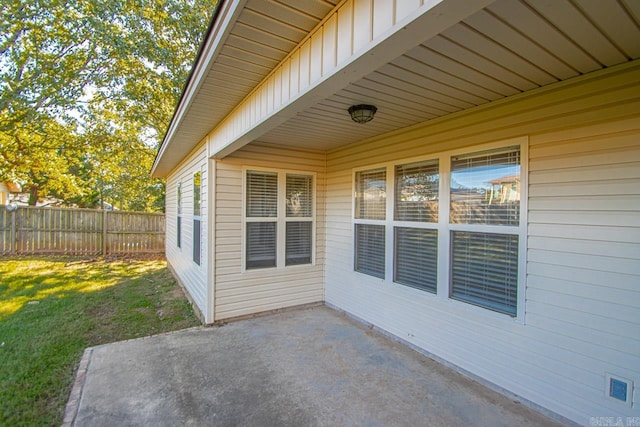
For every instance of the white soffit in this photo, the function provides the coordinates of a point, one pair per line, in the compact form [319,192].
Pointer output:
[254,36]
[509,47]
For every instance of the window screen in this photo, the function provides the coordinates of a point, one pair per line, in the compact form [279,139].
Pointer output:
[261,245]
[262,194]
[484,270]
[371,194]
[370,249]
[416,258]
[416,195]
[485,188]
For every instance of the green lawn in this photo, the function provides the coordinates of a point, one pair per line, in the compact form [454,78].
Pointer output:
[51,309]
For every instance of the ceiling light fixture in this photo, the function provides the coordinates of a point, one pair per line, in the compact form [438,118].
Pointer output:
[362,113]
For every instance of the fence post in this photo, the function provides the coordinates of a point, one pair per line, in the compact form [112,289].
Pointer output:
[104,232]
[12,234]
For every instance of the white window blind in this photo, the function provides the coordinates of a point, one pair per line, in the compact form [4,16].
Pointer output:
[371,194]
[261,245]
[279,219]
[416,258]
[262,194]
[485,188]
[299,195]
[370,249]
[416,195]
[484,270]
[298,243]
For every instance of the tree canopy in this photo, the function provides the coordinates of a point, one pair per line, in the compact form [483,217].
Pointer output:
[87,90]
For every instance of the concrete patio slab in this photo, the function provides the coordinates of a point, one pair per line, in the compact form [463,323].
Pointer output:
[309,367]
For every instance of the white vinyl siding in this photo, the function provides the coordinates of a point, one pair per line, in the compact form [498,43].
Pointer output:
[190,274]
[239,291]
[580,308]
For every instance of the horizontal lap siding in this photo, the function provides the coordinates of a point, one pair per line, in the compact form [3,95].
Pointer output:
[583,291]
[192,276]
[240,293]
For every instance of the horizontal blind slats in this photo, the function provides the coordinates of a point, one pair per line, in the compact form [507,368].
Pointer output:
[416,196]
[371,194]
[298,243]
[370,249]
[299,195]
[262,194]
[485,188]
[261,244]
[484,270]
[416,258]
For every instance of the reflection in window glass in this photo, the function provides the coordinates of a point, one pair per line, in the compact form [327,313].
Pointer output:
[417,192]
[485,188]
[371,194]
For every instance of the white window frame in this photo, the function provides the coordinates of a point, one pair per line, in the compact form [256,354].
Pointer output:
[179,228]
[280,219]
[444,228]
[195,217]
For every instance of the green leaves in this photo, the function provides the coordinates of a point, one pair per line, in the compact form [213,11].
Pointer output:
[87,90]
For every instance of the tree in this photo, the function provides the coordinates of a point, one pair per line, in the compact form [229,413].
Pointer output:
[82,78]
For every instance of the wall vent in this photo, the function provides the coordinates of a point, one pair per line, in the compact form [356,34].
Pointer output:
[619,389]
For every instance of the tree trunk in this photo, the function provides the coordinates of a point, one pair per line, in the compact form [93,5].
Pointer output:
[33,195]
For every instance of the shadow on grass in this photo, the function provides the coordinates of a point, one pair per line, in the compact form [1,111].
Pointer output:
[52,309]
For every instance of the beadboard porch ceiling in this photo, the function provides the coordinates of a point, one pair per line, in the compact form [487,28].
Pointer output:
[509,47]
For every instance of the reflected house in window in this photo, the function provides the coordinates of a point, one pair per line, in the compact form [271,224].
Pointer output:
[504,190]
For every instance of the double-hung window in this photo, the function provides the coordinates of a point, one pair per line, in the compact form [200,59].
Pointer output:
[484,215]
[197,177]
[279,219]
[451,226]
[179,216]
[370,215]
[415,231]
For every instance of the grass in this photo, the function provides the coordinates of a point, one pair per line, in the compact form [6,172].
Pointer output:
[51,309]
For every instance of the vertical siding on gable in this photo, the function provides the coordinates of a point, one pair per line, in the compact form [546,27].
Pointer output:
[583,257]
[240,293]
[191,275]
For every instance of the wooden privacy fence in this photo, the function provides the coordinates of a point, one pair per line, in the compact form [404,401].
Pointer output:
[34,230]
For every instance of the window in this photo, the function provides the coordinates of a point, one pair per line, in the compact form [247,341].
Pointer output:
[279,219]
[179,216]
[197,177]
[485,191]
[416,243]
[370,213]
[459,238]
[262,211]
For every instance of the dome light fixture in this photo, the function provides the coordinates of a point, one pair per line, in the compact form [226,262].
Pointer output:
[362,113]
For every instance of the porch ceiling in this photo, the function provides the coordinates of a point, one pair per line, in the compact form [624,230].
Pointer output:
[510,47]
[258,34]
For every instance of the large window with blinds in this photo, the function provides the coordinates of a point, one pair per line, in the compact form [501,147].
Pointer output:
[452,226]
[279,219]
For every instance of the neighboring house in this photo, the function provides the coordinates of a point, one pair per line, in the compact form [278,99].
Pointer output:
[6,188]
[276,198]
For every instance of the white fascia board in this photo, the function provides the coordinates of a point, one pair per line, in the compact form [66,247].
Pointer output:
[225,21]
[431,19]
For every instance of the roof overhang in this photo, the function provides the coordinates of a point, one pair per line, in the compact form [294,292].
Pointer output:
[464,54]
